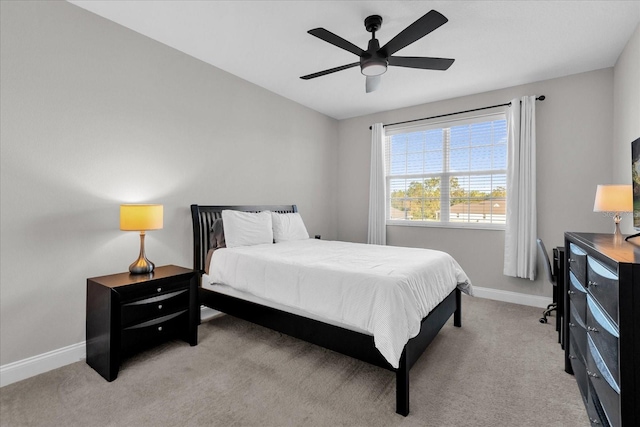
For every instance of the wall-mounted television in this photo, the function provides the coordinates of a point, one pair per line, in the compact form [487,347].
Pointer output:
[635,182]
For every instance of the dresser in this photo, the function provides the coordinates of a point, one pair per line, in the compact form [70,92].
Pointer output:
[129,312]
[602,325]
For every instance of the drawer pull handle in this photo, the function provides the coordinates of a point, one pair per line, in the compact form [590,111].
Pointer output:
[593,374]
[591,329]
[592,283]
[159,289]
[594,421]
[159,328]
[159,306]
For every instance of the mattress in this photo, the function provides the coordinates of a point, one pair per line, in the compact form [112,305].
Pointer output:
[383,291]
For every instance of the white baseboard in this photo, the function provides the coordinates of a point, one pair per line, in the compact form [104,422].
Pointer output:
[207,313]
[513,297]
[23,369]
[32,366]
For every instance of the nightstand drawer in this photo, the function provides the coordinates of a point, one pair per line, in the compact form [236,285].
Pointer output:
[603,285]
[578,262]
[137,291]
[147,309]
[605,337]
[153,331]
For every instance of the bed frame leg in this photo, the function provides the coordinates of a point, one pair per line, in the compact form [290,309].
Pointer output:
[457,315]
[402,386]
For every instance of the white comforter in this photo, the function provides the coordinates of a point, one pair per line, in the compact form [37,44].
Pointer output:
[384,290]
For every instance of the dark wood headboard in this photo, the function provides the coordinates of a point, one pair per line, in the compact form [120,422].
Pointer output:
[203,217]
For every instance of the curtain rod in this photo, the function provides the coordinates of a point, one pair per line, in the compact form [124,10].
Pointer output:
[540,98]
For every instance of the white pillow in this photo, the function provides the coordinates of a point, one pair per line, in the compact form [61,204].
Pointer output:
[247,228]
[288,226]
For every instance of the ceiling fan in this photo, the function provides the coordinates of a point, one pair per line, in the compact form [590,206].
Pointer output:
[374,61]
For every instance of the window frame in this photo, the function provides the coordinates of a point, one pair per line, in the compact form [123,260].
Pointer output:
[445,175]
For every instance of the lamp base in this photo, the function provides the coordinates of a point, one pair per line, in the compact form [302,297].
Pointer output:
[142,265]
[617,231]
[617,235]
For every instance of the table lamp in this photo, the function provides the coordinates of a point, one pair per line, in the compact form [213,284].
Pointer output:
[141,218]
[616,199]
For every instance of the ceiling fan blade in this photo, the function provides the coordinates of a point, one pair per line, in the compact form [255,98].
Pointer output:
[373,83]
[329,71]
[423,26]
[338,41]
[419,62]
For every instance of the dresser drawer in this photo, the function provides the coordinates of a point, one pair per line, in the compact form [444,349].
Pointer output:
[594,411]
[605,337]
[606,388]
[578,262]
[603,285]
[578,331]
[153,331]
[139,291]
[578,296]
[579,367]
[149,308]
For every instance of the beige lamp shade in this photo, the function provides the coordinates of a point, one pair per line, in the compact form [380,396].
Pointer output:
[613,198]
[141,217]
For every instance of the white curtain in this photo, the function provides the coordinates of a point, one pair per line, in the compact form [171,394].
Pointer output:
[521,230]
[377,234]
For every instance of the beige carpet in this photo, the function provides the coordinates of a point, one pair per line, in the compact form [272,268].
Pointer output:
[502,368]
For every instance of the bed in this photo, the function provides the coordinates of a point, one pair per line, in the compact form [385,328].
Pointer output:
[344,336]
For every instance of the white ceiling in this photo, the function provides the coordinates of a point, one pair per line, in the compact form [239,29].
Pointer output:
[496,44]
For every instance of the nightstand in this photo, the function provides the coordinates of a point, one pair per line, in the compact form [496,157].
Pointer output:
[129,312]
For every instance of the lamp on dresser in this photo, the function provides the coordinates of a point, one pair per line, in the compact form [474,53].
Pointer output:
[614,199]
[141,218]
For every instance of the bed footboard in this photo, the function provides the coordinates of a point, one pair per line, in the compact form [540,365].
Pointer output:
[430,327]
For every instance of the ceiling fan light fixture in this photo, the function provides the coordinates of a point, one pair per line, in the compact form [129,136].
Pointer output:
[374,68]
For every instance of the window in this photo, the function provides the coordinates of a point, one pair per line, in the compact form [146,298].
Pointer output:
[451,174]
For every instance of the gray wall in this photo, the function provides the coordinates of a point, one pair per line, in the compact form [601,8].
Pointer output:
[626,118]
[574,129]
[94,115]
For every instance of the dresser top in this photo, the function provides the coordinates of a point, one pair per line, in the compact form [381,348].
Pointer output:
[616,250]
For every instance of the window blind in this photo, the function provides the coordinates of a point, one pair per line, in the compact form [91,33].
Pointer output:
[449,173]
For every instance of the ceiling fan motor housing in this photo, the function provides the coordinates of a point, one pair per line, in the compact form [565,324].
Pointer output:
[373,63]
